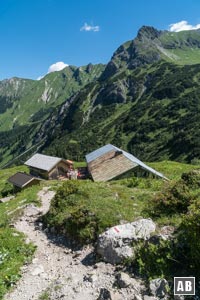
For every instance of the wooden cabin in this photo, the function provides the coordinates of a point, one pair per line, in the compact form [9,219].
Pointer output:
[22,180]
[109,162]
[47,167]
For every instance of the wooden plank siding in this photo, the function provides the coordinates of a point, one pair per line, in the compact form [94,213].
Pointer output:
[60,169]
[109,166]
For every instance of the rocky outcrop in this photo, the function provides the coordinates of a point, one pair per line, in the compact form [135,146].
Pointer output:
[159,287]
[112,93]
[165,233]
[115,244]
[148,32]
[123,280]
[105,294]
[132,55]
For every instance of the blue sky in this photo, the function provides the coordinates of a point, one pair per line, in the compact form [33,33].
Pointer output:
[38,33]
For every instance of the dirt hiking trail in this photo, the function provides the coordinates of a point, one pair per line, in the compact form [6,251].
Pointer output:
[56,269]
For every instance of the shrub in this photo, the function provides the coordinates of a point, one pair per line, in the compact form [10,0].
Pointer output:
[82,225]
[7,189]
[69,214]
[155,260]
[174,199]
[131,182]
[61,198]
[189,238]
[192,179]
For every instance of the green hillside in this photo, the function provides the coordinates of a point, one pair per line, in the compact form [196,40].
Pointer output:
[153,112]
[29,101]
[182,46]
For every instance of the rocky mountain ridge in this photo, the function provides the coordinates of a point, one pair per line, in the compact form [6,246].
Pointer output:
[150,46]
[23,99]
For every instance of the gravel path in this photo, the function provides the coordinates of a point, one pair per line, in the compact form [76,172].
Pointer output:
[57,269]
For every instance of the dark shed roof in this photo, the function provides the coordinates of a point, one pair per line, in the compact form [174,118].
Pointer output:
[21,179]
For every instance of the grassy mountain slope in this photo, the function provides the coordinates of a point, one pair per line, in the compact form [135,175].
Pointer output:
[28,101]
[152,112]
[12,89]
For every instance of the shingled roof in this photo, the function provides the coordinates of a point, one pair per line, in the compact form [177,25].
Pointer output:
[21,179]
[104,166]
[43,162]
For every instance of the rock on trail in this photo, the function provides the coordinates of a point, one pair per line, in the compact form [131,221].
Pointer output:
[115,244]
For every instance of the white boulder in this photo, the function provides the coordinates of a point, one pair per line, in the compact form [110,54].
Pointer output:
[115,244]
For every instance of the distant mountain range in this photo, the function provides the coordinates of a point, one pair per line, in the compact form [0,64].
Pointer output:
[145,100]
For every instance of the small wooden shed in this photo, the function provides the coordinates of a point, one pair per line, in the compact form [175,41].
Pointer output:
[22,180]
[47,167]
[109,162]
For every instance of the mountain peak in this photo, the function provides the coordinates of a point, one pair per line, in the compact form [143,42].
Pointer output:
[148,32]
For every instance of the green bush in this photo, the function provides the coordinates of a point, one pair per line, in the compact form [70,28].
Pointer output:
[62,199]
[192,179]
[155,260]
[69,214]
[7,190]
[181,255]
[175,198]
[82,225]
[131,182]
[189,238]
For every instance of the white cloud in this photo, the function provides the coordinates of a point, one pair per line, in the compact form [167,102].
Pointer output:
[87,27]
[58,66]
[183,25]
[40,77]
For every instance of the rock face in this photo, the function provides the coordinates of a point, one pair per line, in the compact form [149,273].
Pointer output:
[138,52]
[105,294]
[159,287]
[149,32]
[114,245]
[125,281]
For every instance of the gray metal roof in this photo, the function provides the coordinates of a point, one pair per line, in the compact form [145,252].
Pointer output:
[42,162]
[107,148]
[99,152]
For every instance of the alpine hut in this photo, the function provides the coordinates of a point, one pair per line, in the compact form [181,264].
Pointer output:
[47,167]
[109,162]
